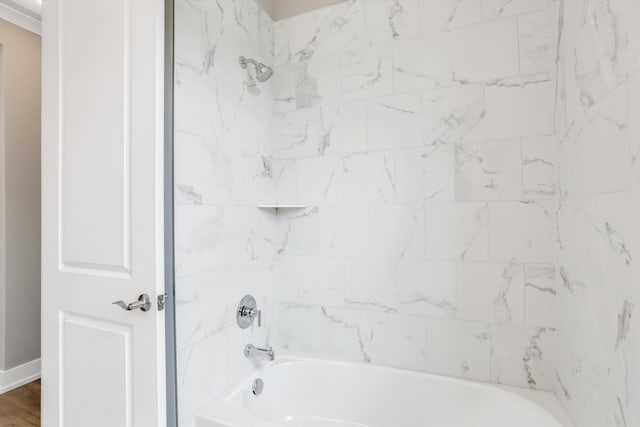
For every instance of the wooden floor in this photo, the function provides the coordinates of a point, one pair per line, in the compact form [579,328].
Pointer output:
[21,407]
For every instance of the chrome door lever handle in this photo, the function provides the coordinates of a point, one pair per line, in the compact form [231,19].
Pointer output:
[143,303]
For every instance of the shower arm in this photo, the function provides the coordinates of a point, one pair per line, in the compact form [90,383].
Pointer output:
[244,61]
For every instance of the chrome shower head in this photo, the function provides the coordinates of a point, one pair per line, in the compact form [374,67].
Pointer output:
[263,72]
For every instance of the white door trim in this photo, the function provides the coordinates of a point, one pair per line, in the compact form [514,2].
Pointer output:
[20,19]
[19,376]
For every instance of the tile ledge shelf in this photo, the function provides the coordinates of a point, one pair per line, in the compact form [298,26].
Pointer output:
[282,207]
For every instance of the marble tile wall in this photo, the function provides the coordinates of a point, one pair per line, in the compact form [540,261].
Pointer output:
[597,117]
[457,158]
[223,120]
[418,133]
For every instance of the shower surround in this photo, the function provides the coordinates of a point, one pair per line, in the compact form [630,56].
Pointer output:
[455,160]
[597,128]
[223,119]
[419,135]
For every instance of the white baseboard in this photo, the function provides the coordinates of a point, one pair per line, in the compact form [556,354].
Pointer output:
[19,376]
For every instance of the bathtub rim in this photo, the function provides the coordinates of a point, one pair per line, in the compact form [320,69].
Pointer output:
[524,395]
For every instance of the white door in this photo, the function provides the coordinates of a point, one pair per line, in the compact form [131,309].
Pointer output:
[102,186]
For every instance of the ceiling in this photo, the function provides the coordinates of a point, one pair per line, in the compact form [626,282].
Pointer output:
[31,8]
[281,9]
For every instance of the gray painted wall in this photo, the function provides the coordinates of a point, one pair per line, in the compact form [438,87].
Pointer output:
[20,197]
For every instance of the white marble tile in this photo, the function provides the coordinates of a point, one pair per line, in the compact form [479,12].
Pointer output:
[579,264]
[347,276]
[539,168]
[321,281]
[633,91]
[438,175]
[491,292]
[248,179]
[522,356]
[285,177]
[207,33]
[397,231]
[333,129]
[367,73]
[454,114]
[422,63]
[369,178]
[631,351]
[459,348]
[399,341]
[534,31]
[584,81]
[489,170]
[540,295]
[300,328]
[202,374]
[204,307]
[240,18]
[594,152]
[204,116]
[325,31]
[457,231]
[293,39]
[301,232]
[426,174]
[346,334]
[444,15]
[427,288]
[323,231]
[193,40]
[395,121]
[239,120]
[493,9]
[519,107]
[266,32]
[392,20]
[299,133]
[308,83]
[286,272]
[320,180]
[614,220]
[250,234]
[486,51]
[224,125]
[522,231]
[345,128]
[199,239]
[195,171]
[597,330]
[346,231]
[370,284]
[615,38]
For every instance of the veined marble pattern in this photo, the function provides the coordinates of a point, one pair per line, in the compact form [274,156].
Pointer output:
[225,247]
[418,136]
[596,98]
[454,115]
[412,247]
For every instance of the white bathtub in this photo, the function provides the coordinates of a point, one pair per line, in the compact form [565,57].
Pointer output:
[302,392]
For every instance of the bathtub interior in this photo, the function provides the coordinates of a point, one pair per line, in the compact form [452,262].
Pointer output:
[302,392]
